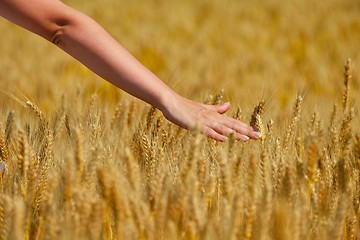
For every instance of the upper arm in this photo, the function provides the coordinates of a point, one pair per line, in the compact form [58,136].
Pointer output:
[42,17]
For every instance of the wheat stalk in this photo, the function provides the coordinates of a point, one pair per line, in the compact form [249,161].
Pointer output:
[345,133]
[36,110]
[347,77]
[218,97]
[9,126]
[4,153]
[256,121]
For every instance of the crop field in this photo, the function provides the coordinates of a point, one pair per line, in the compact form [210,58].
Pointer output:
[81,159]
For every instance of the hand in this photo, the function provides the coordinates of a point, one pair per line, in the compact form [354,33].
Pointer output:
[189,115]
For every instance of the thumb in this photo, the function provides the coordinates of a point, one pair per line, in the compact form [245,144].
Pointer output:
[222,108]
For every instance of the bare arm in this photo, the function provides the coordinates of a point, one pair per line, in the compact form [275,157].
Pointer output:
[85,40]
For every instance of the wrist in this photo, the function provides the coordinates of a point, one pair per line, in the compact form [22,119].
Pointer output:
[167,101]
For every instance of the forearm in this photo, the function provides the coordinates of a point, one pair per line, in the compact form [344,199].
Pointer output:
[85,40]
[94,47]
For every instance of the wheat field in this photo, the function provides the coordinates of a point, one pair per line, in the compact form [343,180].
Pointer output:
[81,159]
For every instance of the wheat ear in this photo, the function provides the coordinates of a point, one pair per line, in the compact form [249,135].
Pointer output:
[347,77]
[256,121]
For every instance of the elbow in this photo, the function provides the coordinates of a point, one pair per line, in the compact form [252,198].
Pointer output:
[65,29]
[56,37]
[58,33]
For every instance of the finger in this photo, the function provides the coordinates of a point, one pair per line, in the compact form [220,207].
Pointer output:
[226,131]
[236,124]
[222,108]
[214,135]
[241,128]
[219,108]
[221,129]
[241,137]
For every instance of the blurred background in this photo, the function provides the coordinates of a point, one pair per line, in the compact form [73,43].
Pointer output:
[259,49]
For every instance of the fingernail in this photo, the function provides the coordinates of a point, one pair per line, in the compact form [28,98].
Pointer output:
[245,138]
[224,138]
[257,135]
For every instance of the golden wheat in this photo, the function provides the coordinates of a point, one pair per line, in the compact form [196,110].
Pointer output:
[94,163]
